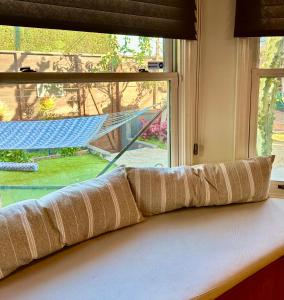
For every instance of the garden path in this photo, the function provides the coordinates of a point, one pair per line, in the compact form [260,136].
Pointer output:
[144,157]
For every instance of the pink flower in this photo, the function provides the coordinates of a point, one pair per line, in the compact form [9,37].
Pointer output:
[157,130]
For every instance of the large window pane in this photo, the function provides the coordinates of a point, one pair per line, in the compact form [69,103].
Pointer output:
[127,108]
[49,50]
[270,126]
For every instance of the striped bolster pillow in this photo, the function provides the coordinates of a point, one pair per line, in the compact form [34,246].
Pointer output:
[158,190]
[236,182]
[35,228]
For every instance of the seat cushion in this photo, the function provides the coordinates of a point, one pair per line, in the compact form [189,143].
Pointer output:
[195,253]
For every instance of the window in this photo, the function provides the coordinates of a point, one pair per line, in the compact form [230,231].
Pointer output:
[267,104]
[82,82]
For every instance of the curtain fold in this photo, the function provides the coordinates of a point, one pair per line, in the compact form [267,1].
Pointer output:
[255,18]
[161,18]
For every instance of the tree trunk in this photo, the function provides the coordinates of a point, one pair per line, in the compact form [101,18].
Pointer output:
[118,109]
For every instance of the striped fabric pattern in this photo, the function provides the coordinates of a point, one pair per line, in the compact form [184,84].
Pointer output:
[26,233]
[35,228]
[236,182]
[159,190]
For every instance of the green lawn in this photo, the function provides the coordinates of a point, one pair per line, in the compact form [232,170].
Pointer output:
[52,172]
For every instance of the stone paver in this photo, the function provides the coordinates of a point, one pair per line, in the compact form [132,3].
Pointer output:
[144,157]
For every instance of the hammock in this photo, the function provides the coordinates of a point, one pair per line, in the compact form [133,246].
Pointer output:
[71,132]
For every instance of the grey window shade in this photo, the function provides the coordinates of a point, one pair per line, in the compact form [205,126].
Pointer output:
[259,18]
[161,18]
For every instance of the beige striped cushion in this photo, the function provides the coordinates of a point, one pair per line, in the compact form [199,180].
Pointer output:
[93,207]
[236,182]
[33,229]
[159,190]
[26,233]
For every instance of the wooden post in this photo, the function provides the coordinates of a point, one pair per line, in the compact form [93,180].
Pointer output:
[77,69]
[18,95]
[155,83]
[118,109]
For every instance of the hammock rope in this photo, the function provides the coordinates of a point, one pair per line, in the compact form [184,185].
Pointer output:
[116,120]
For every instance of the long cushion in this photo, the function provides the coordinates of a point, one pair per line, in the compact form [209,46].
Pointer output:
[82,211]
[188,254]
[235,182]
[32,229]
[158,190]
[26,233]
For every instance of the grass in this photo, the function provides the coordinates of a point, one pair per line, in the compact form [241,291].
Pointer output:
[52,172]
[155,141]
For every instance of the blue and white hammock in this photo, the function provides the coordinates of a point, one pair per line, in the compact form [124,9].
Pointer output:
[71,132]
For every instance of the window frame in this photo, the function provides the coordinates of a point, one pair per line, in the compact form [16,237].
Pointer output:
[171,73]
[180,71]
[247,97]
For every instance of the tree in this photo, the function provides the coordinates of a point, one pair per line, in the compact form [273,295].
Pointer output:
[271,57]
[124,58]
[50,40]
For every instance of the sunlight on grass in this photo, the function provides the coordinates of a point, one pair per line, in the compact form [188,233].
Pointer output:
[52,172]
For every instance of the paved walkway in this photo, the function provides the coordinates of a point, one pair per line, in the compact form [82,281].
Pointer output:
[144,157]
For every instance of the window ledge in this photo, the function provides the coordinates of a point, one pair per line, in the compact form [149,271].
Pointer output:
[275,192]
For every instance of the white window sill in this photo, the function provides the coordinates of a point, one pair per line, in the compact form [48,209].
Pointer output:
[276,192]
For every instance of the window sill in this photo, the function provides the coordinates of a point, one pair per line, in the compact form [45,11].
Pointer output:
[275,192]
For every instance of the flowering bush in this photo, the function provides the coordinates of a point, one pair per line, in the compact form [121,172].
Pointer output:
[157,130]
[47,104]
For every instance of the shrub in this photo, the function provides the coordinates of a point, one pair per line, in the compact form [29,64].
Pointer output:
[71,151]
[19,156]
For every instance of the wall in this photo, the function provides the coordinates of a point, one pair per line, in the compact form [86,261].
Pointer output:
[217,81]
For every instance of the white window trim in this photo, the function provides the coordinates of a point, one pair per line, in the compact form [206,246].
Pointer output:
[171,77]
[186,66]
[247,56]
[188,55]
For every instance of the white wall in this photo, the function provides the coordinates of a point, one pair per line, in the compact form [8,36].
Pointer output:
[217,81]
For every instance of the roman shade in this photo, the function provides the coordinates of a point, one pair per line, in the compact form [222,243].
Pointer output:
[255,18]
[160,18]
